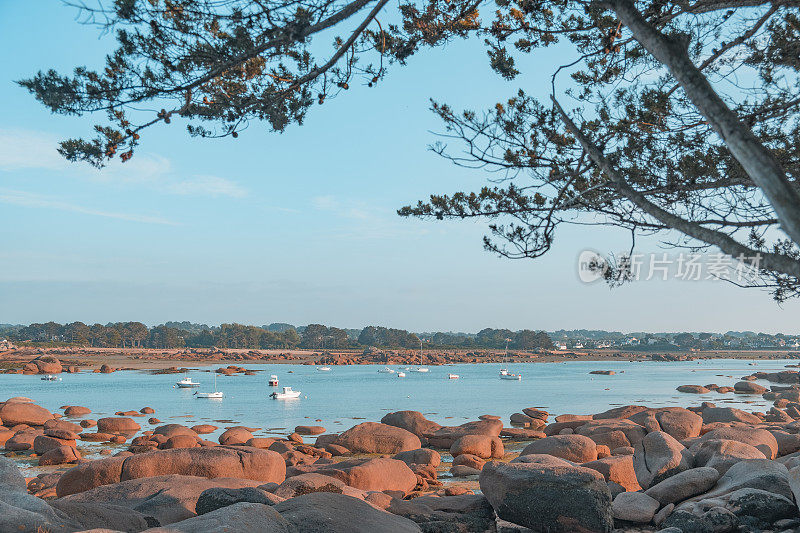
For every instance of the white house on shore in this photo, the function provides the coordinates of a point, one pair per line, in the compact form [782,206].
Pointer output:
[5,345]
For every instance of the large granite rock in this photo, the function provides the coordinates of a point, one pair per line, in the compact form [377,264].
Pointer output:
[213,462]
[545,493]
[324,512]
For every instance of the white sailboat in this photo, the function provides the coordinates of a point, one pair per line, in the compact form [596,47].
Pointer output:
[401,374]
[504,373]
[421,369]
[323,369]
[386,370]
[213,395]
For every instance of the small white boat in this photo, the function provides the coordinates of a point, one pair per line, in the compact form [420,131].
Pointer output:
[50,377]
[187,383]
[386,370]
[287,393]
[273,380]
[420,369]
[452,376]
[504,373]
[401,374]
[213,395]
[323,369]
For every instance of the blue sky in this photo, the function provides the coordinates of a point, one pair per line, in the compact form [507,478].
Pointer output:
[298,227]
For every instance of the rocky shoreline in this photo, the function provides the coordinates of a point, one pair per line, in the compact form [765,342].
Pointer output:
[632,468]
[19,359]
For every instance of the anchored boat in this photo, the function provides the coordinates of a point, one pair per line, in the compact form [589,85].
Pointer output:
[504,373]
[187,383]
[287,394]
[212,395]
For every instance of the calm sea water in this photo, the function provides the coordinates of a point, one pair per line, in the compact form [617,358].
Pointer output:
[345,395]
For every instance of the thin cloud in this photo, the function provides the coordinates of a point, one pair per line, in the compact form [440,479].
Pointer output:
[21,150]
[364,221]
[208,186]
[26,199]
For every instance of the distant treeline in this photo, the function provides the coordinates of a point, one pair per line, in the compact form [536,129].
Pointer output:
[279,335]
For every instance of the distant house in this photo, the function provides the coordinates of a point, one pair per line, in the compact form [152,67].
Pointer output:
[561,345]
[578,345]
[632,340]
[5,345]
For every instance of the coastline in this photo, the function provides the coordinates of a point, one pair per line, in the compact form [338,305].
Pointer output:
[156,359]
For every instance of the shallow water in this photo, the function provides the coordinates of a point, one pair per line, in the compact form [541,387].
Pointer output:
[342,397]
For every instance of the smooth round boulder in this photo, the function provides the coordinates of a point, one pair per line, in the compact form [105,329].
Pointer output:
[748,387]
[172,430]
[545,493]
[372,437]
[373,474]
[422,456]
[204,429]
[180,441]
[721,454]
[635,507]
[761,439]
[121,424]
[684,485]
[728,414]
[14,413]
[62,425]
[657,457]
[309,430]
[235,436]
[471,461]
[74,411]
[206,462]
[59,456]
[412,421]
[43,444]
[679,423]
[483,446]
[693,389]
[575,448]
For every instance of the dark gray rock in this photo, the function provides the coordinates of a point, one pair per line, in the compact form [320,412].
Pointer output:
[218,497]
[766,506]
[89,515]
[465,513]
[715,520]
[21,512]
[545,493]
[326,512]
[237,518]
